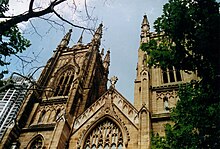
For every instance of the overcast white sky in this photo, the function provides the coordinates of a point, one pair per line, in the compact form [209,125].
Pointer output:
[122,22]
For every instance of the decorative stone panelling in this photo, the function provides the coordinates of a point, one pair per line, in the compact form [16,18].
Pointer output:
[165,100]
[126,108]
[49,113]
[88,113]
[168,94]
[79,57]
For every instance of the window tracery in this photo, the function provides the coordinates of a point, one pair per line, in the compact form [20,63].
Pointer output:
[64,83]
[106,135]
[37,143]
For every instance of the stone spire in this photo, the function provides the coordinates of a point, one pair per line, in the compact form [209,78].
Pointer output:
[65,41]
[98,34]
[80,38]
[106,62]
[145,29]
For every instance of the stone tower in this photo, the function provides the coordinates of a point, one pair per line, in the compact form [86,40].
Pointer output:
[73,78]
[156,89]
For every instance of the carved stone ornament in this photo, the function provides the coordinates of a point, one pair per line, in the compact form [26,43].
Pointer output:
[113,81]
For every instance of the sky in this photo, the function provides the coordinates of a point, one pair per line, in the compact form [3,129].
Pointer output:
[122,25]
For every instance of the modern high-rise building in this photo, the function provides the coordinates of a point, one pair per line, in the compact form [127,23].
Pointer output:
[10,103]
[71,107]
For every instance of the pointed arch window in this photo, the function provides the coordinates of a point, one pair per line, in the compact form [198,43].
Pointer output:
[120,146]
[64,83]
[106,135]
[171,75]
[113,146]
[37,143]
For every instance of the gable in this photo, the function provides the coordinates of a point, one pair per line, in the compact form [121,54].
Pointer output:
[112,99]
[110,109]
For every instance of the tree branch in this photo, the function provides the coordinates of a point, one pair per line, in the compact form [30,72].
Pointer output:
[70,22]
[4,26]
[31,6]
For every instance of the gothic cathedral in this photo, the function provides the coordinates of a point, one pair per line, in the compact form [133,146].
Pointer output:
[70,107]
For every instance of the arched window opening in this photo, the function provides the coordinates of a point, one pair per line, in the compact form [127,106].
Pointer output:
[171,75]
[166,104]
[145,59]
[100,147]
[178,75]
[120,146]
[37,143]
[113,146]
[58,86]
[64,83]
[165,77]
[42,116]
[93,147]
[105,135]
[66,79]
[68,85]
[106,146]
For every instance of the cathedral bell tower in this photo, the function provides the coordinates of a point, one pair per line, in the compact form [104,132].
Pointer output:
[73,78]
[142,81]
[142,88]
[155,90]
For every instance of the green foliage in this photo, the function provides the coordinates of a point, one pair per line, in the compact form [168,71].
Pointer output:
[189,41]
[11,42]
[3,7]
[158,142]
[196,118]
[190,31]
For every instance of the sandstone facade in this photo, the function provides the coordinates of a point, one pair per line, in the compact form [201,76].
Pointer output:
[71,107]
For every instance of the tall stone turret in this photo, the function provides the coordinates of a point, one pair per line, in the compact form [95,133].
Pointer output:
[155,90]
[65,41]
[142,81]
[145,29]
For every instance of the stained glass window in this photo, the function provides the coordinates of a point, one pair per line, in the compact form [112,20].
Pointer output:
[106,135]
